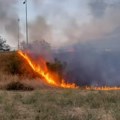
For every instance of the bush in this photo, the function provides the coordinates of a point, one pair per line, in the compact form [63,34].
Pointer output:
[57,66]
[18,86]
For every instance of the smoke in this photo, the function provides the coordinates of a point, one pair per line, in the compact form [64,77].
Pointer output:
[96,29]
[89,35]
[90,28]
[88,65]
[66,21]
[52,15]
[9,17]
[98,7]
[38,48]
[39,30]
[79,21]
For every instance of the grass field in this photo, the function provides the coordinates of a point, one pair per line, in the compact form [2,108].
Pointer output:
[46,103]
[60,104]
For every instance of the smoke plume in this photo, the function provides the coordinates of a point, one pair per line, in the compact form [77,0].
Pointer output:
[89,38]
[74,21]
[40,30]
[9,18]
[98,7]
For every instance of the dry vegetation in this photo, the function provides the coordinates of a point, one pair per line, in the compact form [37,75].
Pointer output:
[56,104]
[15,74]
[45,103]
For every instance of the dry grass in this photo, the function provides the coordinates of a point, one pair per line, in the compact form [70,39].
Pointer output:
[3,58]
[16,75]
[58,104]
[46,103]
[14,82]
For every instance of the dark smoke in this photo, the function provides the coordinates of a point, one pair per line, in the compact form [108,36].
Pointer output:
[94,63]
[93,53]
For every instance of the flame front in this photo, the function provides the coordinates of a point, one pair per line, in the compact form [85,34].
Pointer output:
[105,88]
[49,78]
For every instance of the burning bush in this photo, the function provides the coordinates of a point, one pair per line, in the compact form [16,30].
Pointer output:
[57,66]
[43,71]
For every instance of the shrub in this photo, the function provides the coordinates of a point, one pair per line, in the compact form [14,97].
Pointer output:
[57,66]
[18,86]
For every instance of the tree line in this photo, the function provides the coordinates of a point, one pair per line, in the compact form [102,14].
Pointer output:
[3,45]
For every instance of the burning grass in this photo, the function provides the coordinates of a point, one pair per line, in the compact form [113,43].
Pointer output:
[15,74]
[52,78]
[22,69]
[42,70]
[48,103]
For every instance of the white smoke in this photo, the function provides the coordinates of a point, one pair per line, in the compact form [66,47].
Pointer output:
[9,18]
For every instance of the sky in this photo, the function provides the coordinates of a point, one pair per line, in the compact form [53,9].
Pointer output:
[57,13]
[61,22]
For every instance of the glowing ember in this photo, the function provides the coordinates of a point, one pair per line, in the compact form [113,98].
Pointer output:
[46,74]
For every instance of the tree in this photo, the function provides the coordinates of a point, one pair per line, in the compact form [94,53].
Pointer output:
[3,45]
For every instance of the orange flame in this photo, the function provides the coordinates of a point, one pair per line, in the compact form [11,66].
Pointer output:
[105,88]
[46,74]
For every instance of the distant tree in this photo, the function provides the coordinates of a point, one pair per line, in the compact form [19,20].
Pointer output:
[3,45]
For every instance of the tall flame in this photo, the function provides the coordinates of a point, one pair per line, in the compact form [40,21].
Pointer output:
[46,74]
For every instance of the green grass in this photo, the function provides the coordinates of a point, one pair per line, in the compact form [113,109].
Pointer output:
[58,104]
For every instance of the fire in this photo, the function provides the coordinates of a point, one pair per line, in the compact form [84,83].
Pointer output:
[45,73]
[51,78]
[105,88]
